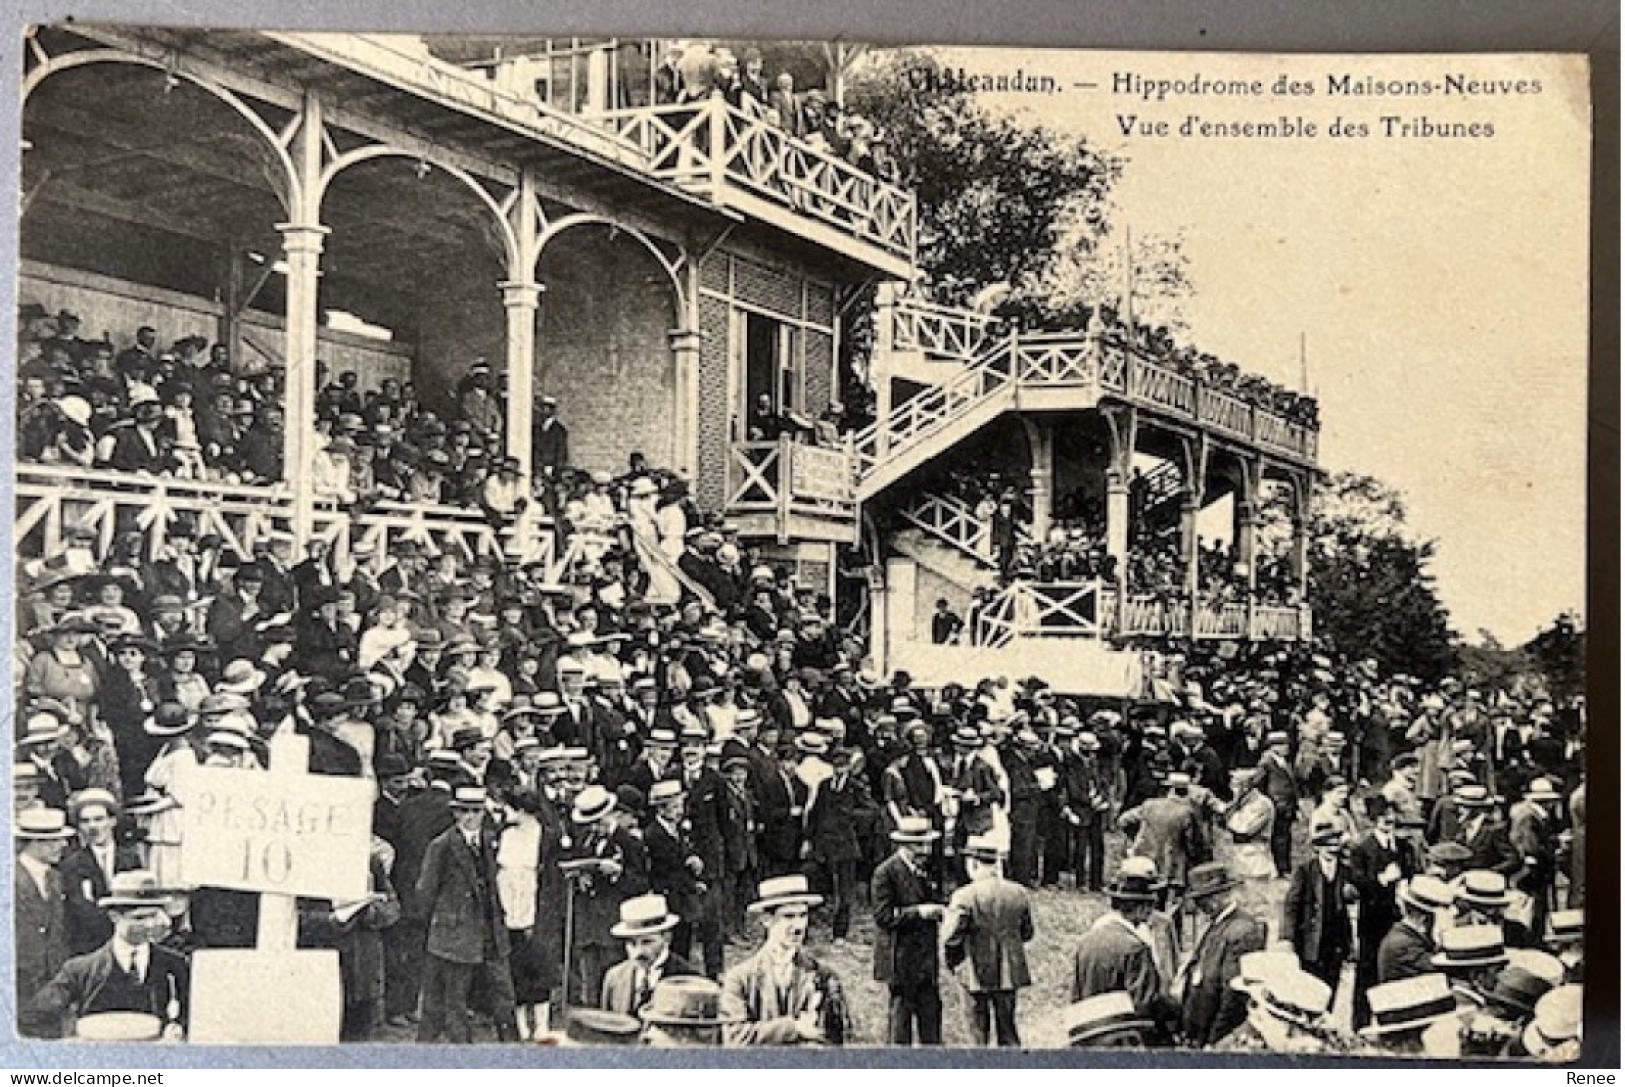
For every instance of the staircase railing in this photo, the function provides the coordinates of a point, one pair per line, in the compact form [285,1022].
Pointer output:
[954,522]
[921,416]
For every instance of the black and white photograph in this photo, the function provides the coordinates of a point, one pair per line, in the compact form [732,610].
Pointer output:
[563,542]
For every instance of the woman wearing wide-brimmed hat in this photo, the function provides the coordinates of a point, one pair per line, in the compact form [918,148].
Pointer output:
[171,725]
[63,670]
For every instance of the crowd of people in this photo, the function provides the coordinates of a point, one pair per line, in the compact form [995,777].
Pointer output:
[586,798]
[702,72]
[1215,373]
[181,412]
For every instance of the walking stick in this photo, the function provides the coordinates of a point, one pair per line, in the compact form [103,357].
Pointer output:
[569,935]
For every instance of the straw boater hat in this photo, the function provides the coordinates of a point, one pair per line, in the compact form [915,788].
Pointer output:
[1296,997]
[1136,881]
[914,830]
[42,825]
[1543,791]
[1103,1014]
[1409,1004]
[118,1027]
[1543,964]
[593,803]
[644,915]
[591,1026]
[1427,893]
[1471,947]
[664,790]
[92,798]
[1565,927]
[134,888]
[468,798]
[1558,1023]
[1257,966]
[984,847]
[240,677]
[1483,890]
[780,891]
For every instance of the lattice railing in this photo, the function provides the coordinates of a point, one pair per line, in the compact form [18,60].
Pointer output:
[1055,359]
[995,623]
[1270,623]
[1157,386]
[921,416]
[52,500]
[713,145]
[939,331]
[955,523]
[784,477]
[1220,621]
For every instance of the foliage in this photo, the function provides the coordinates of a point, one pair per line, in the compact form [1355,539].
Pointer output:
[1560,652]
[997,196]
[1369,584]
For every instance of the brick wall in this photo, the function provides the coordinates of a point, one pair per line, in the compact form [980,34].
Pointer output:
[713,422]
[603,349]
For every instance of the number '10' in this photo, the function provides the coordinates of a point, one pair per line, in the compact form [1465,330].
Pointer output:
[270,861]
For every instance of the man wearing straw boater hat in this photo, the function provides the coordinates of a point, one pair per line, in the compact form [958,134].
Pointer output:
[456,893]
[984,934]
[782,995]
[1407,950]
[1402,1011]
[42,836]
[645,930]
[132,971]
[88,870]
[907,920]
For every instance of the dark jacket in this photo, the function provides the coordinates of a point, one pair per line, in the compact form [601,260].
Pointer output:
[41,945]
[905,941]
[456,890]
[1211,1007]
[81,987]
[1379,910]
[832,822]
[1404,953]
[1315,915]
[83,883]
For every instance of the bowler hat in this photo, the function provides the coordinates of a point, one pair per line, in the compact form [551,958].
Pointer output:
[591,1026]
[685,1001]
[1209,879]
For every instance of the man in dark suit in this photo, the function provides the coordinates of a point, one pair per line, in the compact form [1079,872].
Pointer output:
[906,923]
[675,870]
[834,813]
[778,808]
[1212,1007]
[1407,950]
[1085,802]
[41,947]
[422,817]
[1377,864]
[987,926]
[1483,832]
[131,971]
[645,930]
[704,807]
[1315,915]
[608,864]
[1275,779]
[87,871]
[549,440]
[456,894]
[973,787]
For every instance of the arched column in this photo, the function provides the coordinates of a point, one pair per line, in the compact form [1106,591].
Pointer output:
[302,239]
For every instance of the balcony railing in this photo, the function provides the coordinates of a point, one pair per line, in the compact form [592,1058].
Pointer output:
[52,500]
[938,331]
[788,478]
[1092,609]
[716,149]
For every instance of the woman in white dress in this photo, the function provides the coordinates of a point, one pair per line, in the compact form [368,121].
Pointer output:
[1249,821]
[163,816]
[647,526]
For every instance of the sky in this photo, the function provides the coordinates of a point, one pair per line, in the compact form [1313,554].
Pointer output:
[1439,284]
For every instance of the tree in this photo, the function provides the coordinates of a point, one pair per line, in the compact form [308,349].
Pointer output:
[994,193]
[1369,583]
[1560,652]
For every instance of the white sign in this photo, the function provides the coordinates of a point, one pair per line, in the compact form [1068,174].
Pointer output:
[284,834]
[820,473]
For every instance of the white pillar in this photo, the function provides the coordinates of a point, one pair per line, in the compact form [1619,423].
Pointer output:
[685,353]
[1117,515]
[1041,441]
[519,300]
[302,250]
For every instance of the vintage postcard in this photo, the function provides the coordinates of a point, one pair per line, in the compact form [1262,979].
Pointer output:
[557,542]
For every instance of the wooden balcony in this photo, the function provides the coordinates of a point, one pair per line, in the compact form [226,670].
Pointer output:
[752,166]
[1092,609]
[51,500]
[789,490]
